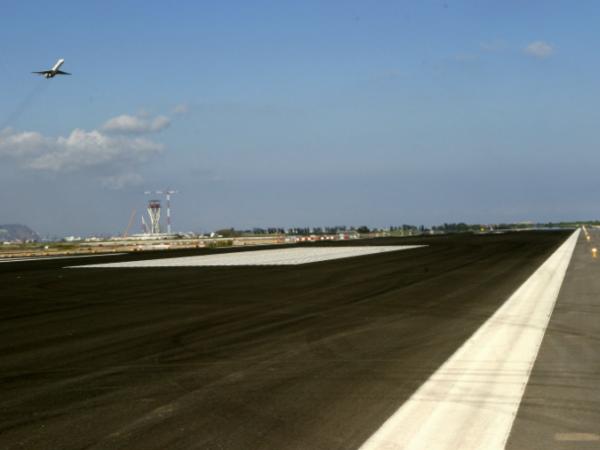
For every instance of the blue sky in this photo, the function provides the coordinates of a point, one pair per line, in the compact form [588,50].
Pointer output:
[299,113]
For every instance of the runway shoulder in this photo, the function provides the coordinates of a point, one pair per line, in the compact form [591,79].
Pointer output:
[561,405]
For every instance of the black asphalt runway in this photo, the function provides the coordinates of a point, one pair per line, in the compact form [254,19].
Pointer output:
[561,405]
[305,357]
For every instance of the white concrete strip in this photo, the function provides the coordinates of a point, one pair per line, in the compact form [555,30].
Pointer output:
[471,401]
[46,258]
[273,257]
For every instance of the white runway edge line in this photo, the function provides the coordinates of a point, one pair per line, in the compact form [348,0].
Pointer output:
[273,257]
[471,401]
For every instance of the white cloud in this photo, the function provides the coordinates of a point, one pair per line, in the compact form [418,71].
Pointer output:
[122,180]
[113,154]
[539,49]
[78,151]
[181,109]
[126,124]
[20,145]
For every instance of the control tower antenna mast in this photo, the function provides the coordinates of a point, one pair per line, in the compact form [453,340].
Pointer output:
[167,193]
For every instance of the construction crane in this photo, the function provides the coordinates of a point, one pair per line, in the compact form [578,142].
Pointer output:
[167,193]
[131,217]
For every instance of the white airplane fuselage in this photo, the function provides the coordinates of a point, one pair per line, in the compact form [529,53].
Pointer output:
[58,64]
[52,72]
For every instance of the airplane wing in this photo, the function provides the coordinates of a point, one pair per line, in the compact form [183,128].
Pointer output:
[44,72]
[60,72]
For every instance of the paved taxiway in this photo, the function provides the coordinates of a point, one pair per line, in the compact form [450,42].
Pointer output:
[316,356]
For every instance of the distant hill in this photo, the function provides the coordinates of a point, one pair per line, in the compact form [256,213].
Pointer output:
[17,232]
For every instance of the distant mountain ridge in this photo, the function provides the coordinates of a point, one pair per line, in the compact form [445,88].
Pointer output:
[17,232]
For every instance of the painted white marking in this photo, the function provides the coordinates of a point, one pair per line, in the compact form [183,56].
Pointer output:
[273,257]
[471,401]
[46,258]
[576,437]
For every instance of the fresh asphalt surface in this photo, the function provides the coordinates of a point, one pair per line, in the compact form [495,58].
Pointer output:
[316,356]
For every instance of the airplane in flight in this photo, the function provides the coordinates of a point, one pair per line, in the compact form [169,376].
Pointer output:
[54,71]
